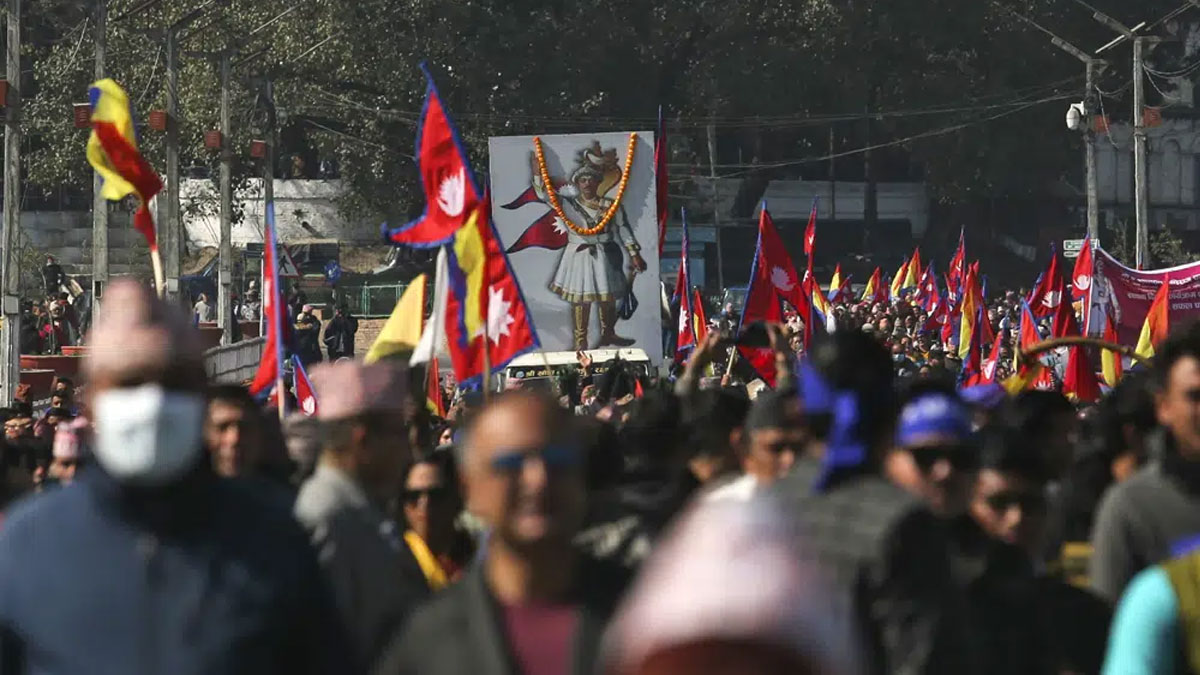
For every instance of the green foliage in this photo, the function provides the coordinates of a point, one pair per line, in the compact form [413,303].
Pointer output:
[959,94]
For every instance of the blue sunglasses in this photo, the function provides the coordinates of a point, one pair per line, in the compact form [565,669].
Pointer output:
[555,457]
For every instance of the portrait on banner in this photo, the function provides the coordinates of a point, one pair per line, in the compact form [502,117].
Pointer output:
[576,215]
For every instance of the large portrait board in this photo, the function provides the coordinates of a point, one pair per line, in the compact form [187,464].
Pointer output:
[589,268]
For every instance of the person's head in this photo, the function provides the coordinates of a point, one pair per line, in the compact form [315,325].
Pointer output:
[58,401]
[49,260]
[306,310]
[651,436]
[933,458]
[69,450]
[63,297]
[587,179]
[1009,499]
[524,472]
[233,430]
[430,495]
[775,435]
[1128,416]
[203,298]
[1177,389]
[252,295]
[56,415]
[302,439]
[853,365]
[363,411]
[714,432]
[340,310]
[146,383]
[64,386]
[1048,419]
[446,436]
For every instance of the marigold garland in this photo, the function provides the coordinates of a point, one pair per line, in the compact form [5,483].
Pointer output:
[552,194]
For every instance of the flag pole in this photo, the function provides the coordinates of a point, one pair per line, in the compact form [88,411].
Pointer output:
[156,263]
[487,363]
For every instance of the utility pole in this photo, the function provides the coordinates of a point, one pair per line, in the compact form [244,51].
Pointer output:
[1141,196]
[269,157]
[225,317]
[99,203]
[1093,66]
[170,235]
[712,173]
[10,274]
[832,179]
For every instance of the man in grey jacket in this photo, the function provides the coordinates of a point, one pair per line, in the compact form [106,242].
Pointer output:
[359,548]
[1156,513]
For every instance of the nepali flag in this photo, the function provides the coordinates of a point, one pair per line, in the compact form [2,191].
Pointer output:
[1079,378]
[485,308]
[1081,282]
[1048,292]
[451,194]
[270,368]
[957,271]
[763,296]
[987,374]
[810,233]
[927,291]
[685,337]
[306,398]
[938,316]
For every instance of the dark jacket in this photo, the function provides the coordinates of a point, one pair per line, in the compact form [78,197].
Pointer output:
[339,337]
[1142,519]
[308,338]
[206,576]
[886,560]
[461,630]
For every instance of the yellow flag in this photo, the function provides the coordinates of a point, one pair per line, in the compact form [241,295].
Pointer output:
[402,331]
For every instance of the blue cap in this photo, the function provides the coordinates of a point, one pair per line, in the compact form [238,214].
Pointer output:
[934,414]
[983,395]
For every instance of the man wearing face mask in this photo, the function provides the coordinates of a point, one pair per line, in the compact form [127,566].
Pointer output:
[149,563]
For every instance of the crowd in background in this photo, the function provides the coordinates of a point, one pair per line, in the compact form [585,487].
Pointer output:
[862,516]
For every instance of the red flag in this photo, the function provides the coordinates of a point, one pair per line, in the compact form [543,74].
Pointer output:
[638,392]
[810,234]
[305,397]
[972,355]
[927,290]
[938,317]
[763,297]
[1079,378]
[545,232]
[1046,296]
[451,195]
[699,320]
[270,368]
[1110,361]
[987,373]
[957,272]
[1081,282]
[660,180]
[1065,324]
[875,292]
[484,298]
[778,265]
[685,337]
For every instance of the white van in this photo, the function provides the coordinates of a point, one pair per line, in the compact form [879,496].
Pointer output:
[539,368]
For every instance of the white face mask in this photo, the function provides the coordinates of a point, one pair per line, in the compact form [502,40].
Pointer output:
[146,434]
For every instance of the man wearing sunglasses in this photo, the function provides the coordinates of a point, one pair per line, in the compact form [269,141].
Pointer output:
[343,504]
[932,459]
[533,605]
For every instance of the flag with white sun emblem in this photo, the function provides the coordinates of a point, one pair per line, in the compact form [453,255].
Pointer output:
[484,301]
[451,194]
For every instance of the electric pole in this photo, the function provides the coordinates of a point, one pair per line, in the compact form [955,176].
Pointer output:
[1141,196]
[1092,66]
[169,234]
[99,203]
[712,173]
[10,274]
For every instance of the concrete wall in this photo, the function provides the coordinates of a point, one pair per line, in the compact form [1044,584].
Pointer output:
[235,363]
[296,201]
[1174,182]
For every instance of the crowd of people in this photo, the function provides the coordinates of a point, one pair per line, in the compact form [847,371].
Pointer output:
[862,516]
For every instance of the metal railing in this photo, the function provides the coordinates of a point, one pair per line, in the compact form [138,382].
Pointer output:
[235,363]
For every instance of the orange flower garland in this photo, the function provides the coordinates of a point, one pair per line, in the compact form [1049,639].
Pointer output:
[552,194]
